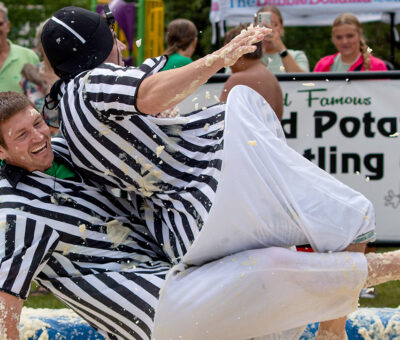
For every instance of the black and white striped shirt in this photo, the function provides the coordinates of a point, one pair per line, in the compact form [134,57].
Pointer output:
[173,163]
[84,245]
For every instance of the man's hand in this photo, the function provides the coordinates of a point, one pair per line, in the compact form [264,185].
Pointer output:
[10,312]
[240,45]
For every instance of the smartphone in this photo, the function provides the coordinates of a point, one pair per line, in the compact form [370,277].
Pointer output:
[264,19]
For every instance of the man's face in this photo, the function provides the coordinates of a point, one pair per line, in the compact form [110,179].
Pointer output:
[115,55]
[4,28]
[27,140]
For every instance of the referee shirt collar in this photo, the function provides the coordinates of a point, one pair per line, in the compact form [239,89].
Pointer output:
[13,174]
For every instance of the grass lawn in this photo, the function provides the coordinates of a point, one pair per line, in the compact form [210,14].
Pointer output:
[43,301]
[388,295]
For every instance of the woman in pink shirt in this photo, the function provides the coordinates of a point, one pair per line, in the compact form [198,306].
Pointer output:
[353,52]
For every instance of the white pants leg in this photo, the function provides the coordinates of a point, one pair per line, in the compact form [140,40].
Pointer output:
[270,195]
[257,292]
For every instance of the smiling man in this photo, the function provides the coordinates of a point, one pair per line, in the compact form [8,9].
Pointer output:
[83,245]
[25,139]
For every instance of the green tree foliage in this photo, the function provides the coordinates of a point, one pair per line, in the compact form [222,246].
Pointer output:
[314,41]
[26,15]
[197,11]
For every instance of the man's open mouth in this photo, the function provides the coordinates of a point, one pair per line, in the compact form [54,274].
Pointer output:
[40,148]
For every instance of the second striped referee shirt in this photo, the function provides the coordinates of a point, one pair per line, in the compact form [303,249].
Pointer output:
[84,245]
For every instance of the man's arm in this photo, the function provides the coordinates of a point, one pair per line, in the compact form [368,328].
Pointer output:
[164,90]
[22,257]
[10,312]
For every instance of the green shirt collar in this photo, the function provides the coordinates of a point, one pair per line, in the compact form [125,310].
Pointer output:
[60,170]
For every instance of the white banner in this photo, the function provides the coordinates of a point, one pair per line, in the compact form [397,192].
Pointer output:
[304,12]
[350,129]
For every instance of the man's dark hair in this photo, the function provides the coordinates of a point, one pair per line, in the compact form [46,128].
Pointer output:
[232,33]
[10,104]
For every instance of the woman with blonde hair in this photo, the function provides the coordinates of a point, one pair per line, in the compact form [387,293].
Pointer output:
[277,57]
[181,40]
[353,53]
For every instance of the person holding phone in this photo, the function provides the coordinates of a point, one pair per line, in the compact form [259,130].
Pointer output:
[277,57]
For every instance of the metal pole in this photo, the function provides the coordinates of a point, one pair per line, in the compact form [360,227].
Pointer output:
[392,38]
[140,32]
[93,5]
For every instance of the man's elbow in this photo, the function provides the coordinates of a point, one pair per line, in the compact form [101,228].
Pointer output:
[148,106]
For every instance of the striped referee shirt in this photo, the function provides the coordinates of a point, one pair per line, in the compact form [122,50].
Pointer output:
[172,163]
[85,246]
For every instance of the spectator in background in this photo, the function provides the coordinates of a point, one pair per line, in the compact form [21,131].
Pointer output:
[249,71]
[353,52]
[12,56]
[277,57]
[36,82]
[181,39]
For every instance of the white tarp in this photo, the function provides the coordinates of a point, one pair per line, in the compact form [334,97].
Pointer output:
[304,12]
[348,128]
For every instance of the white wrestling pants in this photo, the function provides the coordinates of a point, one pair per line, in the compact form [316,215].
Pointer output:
[270,195]
[258,292]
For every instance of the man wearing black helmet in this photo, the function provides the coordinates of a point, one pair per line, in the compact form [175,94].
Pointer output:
[213,182]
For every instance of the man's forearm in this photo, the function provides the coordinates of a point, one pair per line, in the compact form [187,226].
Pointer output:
[10,311]
[164,90]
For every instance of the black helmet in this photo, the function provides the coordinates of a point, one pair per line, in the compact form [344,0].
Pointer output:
[75,39]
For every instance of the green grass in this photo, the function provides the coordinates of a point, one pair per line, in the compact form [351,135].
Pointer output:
[388,295]
[43,301]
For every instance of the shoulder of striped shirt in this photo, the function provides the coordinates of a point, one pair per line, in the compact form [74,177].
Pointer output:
[60,146]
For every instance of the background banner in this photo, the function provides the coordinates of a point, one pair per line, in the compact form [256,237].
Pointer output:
[350,129]
[304,12]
